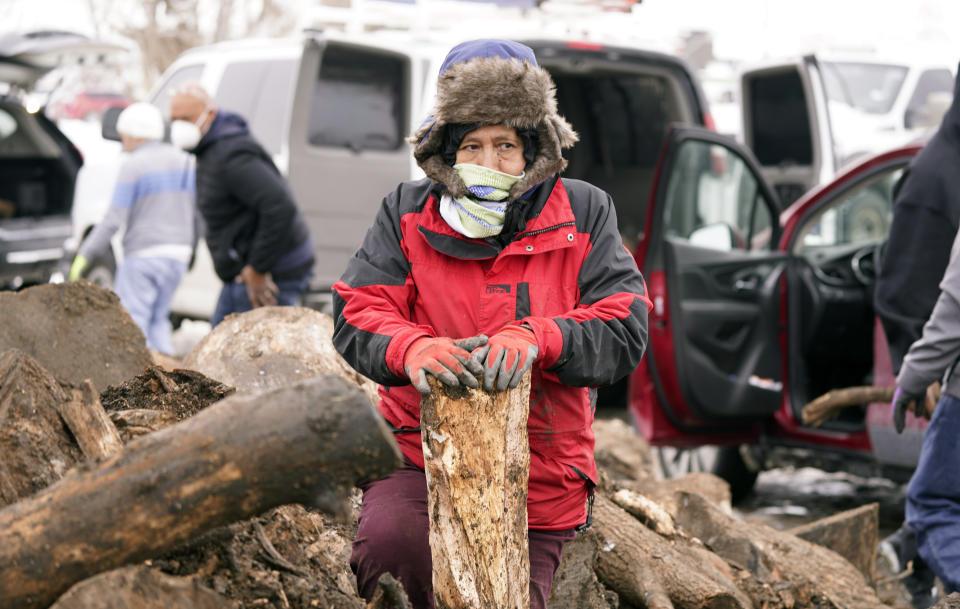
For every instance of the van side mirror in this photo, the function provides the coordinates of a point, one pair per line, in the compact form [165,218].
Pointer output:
[108,124]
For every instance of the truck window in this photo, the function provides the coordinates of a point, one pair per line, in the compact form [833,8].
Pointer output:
[357,101]
[780,124]
[262,93]
[161,99]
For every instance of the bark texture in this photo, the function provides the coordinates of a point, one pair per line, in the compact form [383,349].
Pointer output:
[853,534]
[140,588]
[477,460]
[307,443]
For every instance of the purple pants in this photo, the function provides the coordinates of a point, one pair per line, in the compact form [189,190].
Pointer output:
[393,537]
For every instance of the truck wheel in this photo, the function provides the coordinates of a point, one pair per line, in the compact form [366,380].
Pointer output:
[726,462]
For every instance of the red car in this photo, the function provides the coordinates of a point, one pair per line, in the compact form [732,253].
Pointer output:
[758,311]
[90,105]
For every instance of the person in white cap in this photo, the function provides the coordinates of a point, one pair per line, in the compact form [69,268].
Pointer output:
[155,198]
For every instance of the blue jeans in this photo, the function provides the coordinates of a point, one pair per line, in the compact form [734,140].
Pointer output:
[933,495]
[234,299]
[145,287]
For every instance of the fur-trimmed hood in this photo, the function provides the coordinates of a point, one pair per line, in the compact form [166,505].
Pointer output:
[494,82]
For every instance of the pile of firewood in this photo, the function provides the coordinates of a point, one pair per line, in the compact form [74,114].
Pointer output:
[168,488]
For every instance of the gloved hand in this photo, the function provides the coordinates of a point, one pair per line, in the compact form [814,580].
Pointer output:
[445,359]
[76,269]
[902,402]
[507,356]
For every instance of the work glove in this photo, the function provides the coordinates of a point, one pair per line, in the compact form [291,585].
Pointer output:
[445,359]
[506,357]
[902,402]
[77,268]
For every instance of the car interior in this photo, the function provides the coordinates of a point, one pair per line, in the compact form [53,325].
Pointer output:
[837,252]
[36,177]
[622,120]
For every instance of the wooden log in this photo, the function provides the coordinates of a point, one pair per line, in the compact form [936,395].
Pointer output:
[852,534]
[829,405]
[140,588]
[647,570]
[95,433]
[36,448]
[776,568]
[477,461]
[307,443]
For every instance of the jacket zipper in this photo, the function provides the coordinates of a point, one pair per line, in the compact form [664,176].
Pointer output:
[543,230]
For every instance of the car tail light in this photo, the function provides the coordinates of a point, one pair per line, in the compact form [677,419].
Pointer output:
[708,121]
[585,46]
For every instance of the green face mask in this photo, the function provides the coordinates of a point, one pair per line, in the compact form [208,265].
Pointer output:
[482,212]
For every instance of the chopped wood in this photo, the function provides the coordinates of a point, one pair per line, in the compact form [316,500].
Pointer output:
[477,461]
[853,534]
[235,459]
[829,405]
[648,512]
[95,433]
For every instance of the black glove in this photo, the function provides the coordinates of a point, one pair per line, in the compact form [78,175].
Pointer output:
[902,402]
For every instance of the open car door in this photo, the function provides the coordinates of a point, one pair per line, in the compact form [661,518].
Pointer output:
[713,369]
[786,124]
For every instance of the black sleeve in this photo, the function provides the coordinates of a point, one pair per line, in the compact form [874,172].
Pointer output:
[253,180]
[914,260]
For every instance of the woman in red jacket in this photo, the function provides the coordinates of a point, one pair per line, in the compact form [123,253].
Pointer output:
[491,244]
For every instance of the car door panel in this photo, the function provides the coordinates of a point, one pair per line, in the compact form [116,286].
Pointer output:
[714,368]
[725,328]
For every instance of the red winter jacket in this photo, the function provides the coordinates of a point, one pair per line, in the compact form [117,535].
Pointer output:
[566,274]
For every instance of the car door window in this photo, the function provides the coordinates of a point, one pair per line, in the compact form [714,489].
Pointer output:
[860,216]
[358,101]
[715,201]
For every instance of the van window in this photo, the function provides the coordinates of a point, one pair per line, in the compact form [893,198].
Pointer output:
[161,98]
[357,101]
[779,120]
[923,109]
[262,93]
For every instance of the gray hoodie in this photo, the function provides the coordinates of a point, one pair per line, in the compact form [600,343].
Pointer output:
[937,351]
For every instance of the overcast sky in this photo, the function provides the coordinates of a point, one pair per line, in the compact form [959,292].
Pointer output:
[743,29]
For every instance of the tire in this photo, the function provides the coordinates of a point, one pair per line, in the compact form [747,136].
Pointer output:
[726,462]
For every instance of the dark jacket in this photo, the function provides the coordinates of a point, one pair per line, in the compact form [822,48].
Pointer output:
[926,215]
[249,211]
[564,272]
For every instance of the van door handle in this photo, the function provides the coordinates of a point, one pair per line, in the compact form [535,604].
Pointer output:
[747,284]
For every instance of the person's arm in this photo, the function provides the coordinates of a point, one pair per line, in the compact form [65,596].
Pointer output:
[124,194]
[603,339]
[252,180]
[939,346]
[373,300]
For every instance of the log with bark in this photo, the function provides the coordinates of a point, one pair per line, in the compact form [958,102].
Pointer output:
[830,404]
[477,461]
[307,443]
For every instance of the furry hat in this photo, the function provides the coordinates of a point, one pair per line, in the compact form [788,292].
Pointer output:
[494,82]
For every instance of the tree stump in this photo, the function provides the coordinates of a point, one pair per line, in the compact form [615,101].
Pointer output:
[477,461]
[307,443]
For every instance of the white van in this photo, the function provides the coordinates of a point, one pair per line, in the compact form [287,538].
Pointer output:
[334,109]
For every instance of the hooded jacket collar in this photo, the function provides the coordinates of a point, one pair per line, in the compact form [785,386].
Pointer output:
[225,124]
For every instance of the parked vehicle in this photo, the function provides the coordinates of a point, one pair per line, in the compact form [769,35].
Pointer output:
[38,164]
[852,106]
[90,105]
[334,110]
[758,311]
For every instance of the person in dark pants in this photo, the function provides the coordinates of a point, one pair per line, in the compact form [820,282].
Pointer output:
[933,495]
[490,267]
[926,216]
[258,239]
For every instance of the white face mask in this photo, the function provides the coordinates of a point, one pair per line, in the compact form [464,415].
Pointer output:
[186,135]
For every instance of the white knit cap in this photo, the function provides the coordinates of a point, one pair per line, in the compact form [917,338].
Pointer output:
[141,120]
